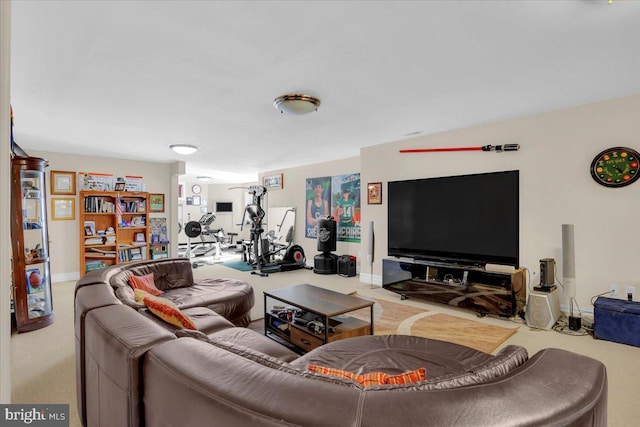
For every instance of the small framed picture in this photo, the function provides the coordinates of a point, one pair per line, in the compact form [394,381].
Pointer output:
[119,186]
[196,200]
[156,202]
[273,181]
[374,193]
[63,182]
[88,231]
[63,208]
[139,237]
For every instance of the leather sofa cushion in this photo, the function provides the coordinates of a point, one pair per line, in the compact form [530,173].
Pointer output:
[394,354]
[206,321]
[231,298]
[244,341]
[168,274]
[448,365]
[507,360]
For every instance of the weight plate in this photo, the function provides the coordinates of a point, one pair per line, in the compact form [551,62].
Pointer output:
[193,229]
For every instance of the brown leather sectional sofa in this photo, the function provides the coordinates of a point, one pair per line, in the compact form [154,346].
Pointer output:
[133,371]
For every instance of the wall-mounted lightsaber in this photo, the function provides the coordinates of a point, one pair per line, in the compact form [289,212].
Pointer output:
[496,148]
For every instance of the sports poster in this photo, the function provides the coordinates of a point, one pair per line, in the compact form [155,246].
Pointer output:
[318,197]
[338,196]
[345,206]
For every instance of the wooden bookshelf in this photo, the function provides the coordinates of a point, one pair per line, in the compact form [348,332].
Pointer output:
[107,238]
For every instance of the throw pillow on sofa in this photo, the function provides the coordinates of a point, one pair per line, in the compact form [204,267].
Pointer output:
[165,310]
[373,378]
[146,283]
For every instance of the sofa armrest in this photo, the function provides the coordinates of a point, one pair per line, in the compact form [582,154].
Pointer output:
[117,337]
[88,297]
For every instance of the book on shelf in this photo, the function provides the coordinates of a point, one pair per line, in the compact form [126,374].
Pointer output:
[96,204]
[93,265]
[131,253]
[98,255]
[134,206]
[94,241]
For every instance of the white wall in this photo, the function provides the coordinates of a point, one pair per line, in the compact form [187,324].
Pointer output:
[5,203]
[555,186]
[64,235]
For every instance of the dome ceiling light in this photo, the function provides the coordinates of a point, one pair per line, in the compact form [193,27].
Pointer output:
[204,178]
[296,104]
[185,149]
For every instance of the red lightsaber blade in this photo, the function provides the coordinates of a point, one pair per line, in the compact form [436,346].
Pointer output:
[497,148]
[431,150]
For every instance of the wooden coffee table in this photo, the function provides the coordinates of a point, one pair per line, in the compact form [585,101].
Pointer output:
[287,311]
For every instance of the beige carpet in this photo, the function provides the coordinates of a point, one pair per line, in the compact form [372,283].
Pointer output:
[392,318]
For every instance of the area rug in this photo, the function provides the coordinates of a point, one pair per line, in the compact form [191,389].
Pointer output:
[393,318]
[238,265]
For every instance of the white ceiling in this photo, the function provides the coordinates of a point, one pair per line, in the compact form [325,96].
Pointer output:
[125,79]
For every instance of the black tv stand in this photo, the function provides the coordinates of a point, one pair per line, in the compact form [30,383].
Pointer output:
[465,286]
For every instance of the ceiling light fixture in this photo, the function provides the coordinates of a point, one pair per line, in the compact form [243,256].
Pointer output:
[184,148]
[296,104]
[204,178]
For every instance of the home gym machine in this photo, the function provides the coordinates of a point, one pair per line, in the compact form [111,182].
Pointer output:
[209,247]
[260,257]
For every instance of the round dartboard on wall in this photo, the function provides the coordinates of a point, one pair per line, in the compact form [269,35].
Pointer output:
[616,167]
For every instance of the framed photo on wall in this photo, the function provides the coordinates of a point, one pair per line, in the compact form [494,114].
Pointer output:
[63,183]
[156,202]
[374,193]
[63,209]
[273,181]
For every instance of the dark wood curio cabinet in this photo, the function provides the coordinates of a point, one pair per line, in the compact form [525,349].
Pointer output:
[32,300]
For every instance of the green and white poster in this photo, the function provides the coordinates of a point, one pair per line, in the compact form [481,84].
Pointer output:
[345,206]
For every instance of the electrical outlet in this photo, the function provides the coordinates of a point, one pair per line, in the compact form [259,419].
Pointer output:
[614,290]
[630,293]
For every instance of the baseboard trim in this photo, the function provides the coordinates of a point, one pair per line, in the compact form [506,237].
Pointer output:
[370,279]
[65,277]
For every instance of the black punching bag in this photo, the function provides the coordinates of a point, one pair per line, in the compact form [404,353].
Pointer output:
[327,234]
[326,262]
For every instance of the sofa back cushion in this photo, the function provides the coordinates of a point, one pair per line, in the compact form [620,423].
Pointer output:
[167,274]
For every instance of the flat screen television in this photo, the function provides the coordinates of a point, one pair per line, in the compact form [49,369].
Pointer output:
[465,219]
[224,207]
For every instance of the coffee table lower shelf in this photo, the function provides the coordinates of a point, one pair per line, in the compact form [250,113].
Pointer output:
[302,340]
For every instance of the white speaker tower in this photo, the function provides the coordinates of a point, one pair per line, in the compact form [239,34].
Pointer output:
[568,261]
